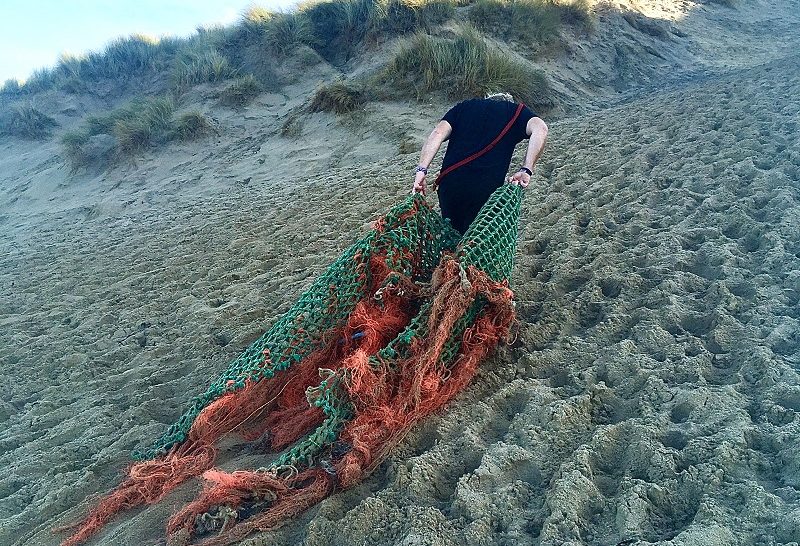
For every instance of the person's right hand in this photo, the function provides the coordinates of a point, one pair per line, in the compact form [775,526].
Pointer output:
[520,178]
[420,185]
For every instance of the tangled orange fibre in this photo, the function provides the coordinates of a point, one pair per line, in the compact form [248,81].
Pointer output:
[387,400]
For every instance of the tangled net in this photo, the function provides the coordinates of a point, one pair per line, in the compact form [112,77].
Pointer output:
[392,331]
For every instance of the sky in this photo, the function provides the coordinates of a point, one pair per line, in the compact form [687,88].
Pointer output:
[33,33]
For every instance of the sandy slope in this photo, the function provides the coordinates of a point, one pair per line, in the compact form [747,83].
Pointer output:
[652,393]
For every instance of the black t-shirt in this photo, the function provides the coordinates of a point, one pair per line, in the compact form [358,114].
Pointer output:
[476,123]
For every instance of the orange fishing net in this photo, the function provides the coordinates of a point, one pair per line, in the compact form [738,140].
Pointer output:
[412,319]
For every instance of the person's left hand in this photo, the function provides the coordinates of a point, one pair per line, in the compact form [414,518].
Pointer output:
[520,178]
[420,185]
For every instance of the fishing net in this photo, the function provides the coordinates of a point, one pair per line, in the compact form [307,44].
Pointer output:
[389,333]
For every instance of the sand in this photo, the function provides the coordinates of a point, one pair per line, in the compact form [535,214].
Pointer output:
[651,395]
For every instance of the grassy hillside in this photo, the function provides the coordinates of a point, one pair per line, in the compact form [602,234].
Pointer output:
[439,51]
[378,50]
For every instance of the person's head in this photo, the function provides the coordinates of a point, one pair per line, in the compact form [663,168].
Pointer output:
[500,96]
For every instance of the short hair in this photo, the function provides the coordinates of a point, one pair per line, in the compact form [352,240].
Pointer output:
[500,96]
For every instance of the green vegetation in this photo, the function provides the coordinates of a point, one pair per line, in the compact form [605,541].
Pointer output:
[463,67]
[74,145]
[577,13]
[126,56]
[40,80]
[292,126]
[27,122]
[255,20]
[339,26]
[11,87]
[191,126]
[241,92]
[286,31]
[459,66]
[337,97]
[122,59]
[200,65]
[532,22]
[143,124]
[337,30]
[135,127]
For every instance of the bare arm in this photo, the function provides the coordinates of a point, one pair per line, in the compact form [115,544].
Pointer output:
[439,134]
[537,133]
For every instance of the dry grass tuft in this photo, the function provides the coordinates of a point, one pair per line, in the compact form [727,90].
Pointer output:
[11,87]
[341,27]
[191,126]
[531,22]
[292,126]
[338,97]
[286,31]
[255,20]
[576,13]
[26,121]
[73,144]
[200,65]
[145,124]
[137,126]
[466,66]
[241,92]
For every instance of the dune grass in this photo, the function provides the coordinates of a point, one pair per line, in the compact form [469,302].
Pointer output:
[240,92]
[135,55]
[463,67]
[144,124]
[338,97]
[26,121]
[255,20]
[122,59]
[139,125]
[11,86]
[531,22]
[286,31]
[337,29]
[74,145]
[200,65]
[340,26]
[292,126]
[191,126]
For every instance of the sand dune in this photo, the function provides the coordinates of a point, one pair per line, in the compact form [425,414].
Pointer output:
[650,397]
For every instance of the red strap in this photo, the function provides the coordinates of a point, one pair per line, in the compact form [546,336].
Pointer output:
[476,155]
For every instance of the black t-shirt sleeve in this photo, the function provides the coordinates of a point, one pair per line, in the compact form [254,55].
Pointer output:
[521,126]
[453,114]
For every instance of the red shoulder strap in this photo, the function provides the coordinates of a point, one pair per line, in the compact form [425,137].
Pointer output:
[479,153]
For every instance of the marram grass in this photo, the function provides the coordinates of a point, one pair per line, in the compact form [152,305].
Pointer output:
[26,121]
[135,127]
[462,67]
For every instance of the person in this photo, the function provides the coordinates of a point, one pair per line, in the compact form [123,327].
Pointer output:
[476,162]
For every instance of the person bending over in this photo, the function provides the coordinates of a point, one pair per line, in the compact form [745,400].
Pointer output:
[482,135]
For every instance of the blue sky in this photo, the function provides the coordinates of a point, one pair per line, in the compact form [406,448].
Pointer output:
[33,33]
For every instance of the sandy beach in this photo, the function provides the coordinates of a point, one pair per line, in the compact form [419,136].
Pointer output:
[651,394]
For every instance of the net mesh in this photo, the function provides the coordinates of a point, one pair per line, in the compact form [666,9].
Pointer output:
[389,333]
[411,237]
